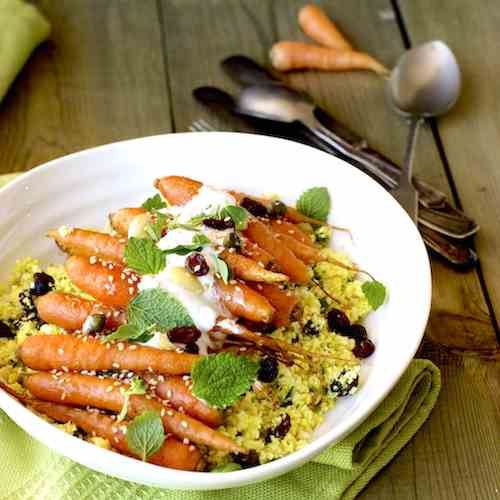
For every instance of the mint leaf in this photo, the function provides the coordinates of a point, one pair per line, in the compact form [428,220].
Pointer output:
[156,308]
[145,435]
[124,332]
[154,203]
[230,467]
[238,215]
[221,379]
[137,386]
[154,229]
[375,293]
[198,242]
[315,203]
[221,268]
[143,256]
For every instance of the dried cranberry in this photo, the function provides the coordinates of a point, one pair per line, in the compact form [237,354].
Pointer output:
[5,331]
[281,430]
[184,334]
[277,209]
[254,207]
[196,264]
[192,348]
[364,349]
[356,332]
[268,370]
[219,224]
[257,326]
[42,283]
[247,460]
[338,321]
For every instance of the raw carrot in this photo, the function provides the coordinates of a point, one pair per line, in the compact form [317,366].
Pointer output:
[285,227]
[178,393]
[111,284]
[316,25]
[59,352]
[287,56]
[89,243]
[177,190]
[244,302]
[249,270]
[121,219]
[285,259]
[284,301]
[172,454]
[70,311]
[108,394]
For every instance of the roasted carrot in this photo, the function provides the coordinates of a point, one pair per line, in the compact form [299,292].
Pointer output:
[287,56]
[284,301]
[176,189]
[90,244]
[70,311]
[244,302]
[172,454]
[285,227]
[108,394]
[316,25]
[177,391]
[249,270]
[285,259]
[48,352]
[305,253]
[121,219]
[111,284]
[254,252]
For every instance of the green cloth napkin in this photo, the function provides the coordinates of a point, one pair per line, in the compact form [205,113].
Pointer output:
[29,470]
[22,29]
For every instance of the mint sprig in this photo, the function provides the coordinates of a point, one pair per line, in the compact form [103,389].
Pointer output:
[222,379]
[221,268]
[315,203]
[198,242]
[154,203]
[238,215]
[143,256]
[375,292]
[137,387]
[154,229]
[146,435]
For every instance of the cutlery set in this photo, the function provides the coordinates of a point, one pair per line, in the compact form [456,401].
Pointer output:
[273,108]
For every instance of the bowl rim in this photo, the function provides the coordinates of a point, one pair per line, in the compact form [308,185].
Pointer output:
[136,470]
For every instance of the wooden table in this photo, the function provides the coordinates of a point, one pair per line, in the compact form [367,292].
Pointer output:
[117,69]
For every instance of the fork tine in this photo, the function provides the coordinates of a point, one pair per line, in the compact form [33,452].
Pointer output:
[206,126]
[201,125]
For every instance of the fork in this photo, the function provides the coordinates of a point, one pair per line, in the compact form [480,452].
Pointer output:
[201,125]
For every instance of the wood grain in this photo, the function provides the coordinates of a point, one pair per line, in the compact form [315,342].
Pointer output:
[470,131]
[99,79]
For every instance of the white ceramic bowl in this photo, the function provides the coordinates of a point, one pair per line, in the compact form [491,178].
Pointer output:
[82,188]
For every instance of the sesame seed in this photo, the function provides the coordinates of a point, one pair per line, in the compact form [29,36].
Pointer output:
[64,369]
[111,279]
[243,349]
[261,264]
[114,429]
[161,378]
[192,447]
[162,412]
[181,409]
[63,396]
[115,365]
[291,231]
[131,290]
[60,350]
[169,394]
[132,347]
[93,259]
[150,369]
[185,441]
[116,440]
[184,424]
[170,413]
[259,287]
[109,388]
[186,377]
[121,346]
[116,314]
[108,345]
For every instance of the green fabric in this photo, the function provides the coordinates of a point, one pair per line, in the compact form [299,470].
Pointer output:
[29,470]
[22,29]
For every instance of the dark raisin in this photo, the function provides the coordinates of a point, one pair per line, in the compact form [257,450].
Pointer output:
[42,283]
[364,349]
[356,332]
[341,389]
[281,430]
[5,331]
[277,209]
[254,207]
[184,334]
[196,264]
[247,460]
[310,329]
[268,370]
[338,321]
[26,302]
[219,224]
[232,240]
[192,348]
[257,326]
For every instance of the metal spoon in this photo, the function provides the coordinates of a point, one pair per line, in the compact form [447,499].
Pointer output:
[424,83]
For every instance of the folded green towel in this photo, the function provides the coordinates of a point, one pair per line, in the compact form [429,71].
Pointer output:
[29,470]
[22,29]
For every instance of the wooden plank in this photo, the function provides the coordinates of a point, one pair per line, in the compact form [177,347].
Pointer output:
[470,131]
[198,36]
[99,79]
